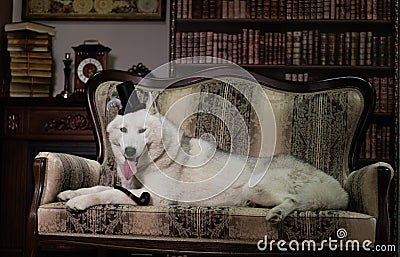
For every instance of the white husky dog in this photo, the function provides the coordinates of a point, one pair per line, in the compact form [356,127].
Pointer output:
[148,147]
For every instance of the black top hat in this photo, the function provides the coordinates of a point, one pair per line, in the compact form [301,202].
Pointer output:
[129,99]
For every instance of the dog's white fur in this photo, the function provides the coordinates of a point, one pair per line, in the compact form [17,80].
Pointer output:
[288,185]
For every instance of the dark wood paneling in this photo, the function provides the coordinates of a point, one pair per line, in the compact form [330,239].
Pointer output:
[29,126]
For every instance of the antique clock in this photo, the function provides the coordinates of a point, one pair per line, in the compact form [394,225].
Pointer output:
[90,57]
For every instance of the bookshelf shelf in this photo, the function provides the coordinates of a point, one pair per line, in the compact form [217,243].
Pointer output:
[232,25]
[321,67]
[188,21]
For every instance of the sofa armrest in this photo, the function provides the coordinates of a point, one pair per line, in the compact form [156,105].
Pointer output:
[368,190]
[64,171]
[366,185]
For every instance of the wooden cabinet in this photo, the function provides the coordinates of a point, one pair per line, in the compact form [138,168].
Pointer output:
[300,41]
[31,125]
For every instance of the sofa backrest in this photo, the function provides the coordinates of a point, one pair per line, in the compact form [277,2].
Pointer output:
[320,123]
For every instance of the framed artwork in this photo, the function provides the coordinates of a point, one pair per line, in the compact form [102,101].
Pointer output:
[94,9]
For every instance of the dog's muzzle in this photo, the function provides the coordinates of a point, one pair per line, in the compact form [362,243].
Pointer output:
[129,167]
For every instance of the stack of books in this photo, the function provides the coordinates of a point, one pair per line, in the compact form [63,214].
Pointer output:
[30,48]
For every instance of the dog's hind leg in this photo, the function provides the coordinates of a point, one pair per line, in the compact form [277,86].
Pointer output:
[279,212]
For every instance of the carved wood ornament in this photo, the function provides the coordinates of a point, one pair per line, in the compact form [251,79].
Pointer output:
[76,122]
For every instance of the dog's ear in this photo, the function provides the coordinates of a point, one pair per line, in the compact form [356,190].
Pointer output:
[151,104]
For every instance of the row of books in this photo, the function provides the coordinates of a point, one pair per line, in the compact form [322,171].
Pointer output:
[297,77]
[308,47]
[377,143]
[339,10]
[282,9]
[30,48]
[384,90]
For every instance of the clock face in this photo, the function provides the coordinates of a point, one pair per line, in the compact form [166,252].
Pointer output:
[147,6]
[87,67]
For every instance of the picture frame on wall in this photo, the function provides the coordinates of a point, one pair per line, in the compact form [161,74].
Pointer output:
[94,9]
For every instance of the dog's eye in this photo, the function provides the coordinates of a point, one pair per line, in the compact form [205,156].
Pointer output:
[123,130]
[142,130]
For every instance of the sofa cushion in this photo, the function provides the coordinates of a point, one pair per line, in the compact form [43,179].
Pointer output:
[233,224]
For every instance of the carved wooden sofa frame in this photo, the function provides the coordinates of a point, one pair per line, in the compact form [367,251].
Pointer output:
[368,186]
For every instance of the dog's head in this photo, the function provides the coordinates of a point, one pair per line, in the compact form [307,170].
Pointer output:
[129,134]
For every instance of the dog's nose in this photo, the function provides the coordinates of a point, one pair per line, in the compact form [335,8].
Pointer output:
[130,151]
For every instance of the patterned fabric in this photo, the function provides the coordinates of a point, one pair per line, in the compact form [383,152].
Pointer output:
[362,186]
[244,224]
[319,131]
[64,171]
[218,117]
[106,92]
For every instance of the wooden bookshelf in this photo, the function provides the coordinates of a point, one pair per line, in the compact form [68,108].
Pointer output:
[301,41]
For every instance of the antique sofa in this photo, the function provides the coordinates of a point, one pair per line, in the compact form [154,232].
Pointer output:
[322,123]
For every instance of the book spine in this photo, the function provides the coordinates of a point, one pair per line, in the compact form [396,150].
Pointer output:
[250,46]
[212,9]
[189,51]
[196,46]
[235,57]
[362,50]
[390,98]
[323,49]
[300,10]
[274,9]
[289,10]
[178,46]
[296,55]
[327,9]
[331,49]
[184,40]
[209,44]
[347,48]
[243,9]
[304,47]
[382,51]
[262,48]
[316,47]
[355,41]
[256,46]
[245,46]
[215,46]
[340,49]
[307,10]
[202,46]
[384,95]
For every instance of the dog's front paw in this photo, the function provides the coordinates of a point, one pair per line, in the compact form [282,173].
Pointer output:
[66,195]
[275,215]
[79,203]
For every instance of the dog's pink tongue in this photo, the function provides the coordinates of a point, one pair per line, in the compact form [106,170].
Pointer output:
[129,169]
